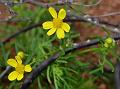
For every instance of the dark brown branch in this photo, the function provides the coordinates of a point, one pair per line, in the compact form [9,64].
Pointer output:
[37,71]
[60,3]
[20,32]
[4,72]
[117,75]
[97,22]
[78,18]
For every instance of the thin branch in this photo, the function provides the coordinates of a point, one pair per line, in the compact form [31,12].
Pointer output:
[117,75]
[60,3]
[89,5]
[28,28]
[90,19]
[5,72]
[77,18]
[45,5]
[10,3]
[97,22]
[107,14]
[38,70]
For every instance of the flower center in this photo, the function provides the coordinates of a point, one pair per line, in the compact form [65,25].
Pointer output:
[57,23]
[20,68]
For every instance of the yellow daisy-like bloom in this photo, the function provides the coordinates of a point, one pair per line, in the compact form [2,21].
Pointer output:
[19,67]
[57,25]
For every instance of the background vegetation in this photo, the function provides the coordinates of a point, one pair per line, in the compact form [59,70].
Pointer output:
[87,68]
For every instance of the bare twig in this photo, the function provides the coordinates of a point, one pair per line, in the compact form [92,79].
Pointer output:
[20,32]
[4,72]
[60,3]
[38,70]
[45,5]
[77,18]
[107,14]
[97,22]
[89,5]
[117,75]
[10,3]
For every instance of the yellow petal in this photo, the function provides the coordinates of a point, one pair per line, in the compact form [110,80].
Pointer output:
[28,68]
[18,58]
[13,75]
[53,12]
[12,62]
[21,54]
[47,25]
[60,33]
[106,45]
[109,40]
[66,27]
[51,31]
[61,14]
[19,77]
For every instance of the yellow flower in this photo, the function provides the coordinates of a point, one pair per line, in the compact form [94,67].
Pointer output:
[21,54]
[57,25]
[19,67]
[109,42]
[106,45]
